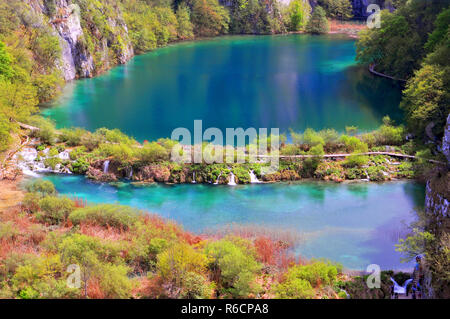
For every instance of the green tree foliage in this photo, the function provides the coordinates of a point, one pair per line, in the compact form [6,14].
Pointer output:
[250,17]
[318,22]
[17,100]
[119,216]
[185,29]
[209,18]
[337,9]
[234,260]
[299,12]
[182,267]
[42,187]
[6,70]
[397,47]
[54,210]
[426,101]
[300,280]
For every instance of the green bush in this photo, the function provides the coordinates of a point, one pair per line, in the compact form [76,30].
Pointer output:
[118,216]
[390,135]
[356,161]
[376,173]
[54,210]
[46,132]
[294,289]
[77,153]
[72,137]
[42,187]
[80,166]
[52,162]
[152,152]
[176,262]
[236,263]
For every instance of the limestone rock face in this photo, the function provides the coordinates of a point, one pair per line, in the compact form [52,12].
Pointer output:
[76,60]
[79,60]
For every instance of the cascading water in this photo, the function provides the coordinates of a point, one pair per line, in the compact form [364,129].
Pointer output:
[217,180]
[130,175]
[193,178]
[232,180]
[253,178]
[105,166]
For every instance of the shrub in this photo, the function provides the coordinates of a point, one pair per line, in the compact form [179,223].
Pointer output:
[52,162]
[236,263]
[376,173]
[312,138]
[294,289]
[46,132]
[356,161]
[177,261]
[118,216]
[317,273]
[55,209]
[30,202]
[72,137]
[77,153]
[114,281]
[354,144]
[290,149]
[152,152]
[42,187]
[80,166]
[115,136]
[92,140]
[122,153]
[196,287]
[390,135]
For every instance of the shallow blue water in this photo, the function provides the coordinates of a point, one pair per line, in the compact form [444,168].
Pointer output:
[355,224]
[294,81]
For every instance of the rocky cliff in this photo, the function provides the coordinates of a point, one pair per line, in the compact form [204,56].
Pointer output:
[438,187]
[89,45]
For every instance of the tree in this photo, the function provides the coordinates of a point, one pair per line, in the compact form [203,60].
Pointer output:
[318,22]
[235,262]
[425,101]
[298,11]
[209,18]
[185,29]
[6,70]
[397,46]
[249,17]
[337,9]
[17,100]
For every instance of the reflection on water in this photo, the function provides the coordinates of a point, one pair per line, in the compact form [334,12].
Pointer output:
[356,224]
[294,81]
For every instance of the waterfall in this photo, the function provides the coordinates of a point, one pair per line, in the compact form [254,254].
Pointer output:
[193,178]
[131,173]
[231,182]
[217,180]
[105,166]
[253,178]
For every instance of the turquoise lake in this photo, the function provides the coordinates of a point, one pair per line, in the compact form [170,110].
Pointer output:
[294,81]
[355,224]
[290,81]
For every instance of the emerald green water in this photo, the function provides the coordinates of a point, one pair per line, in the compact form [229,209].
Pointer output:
[355,224]
[293,81]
